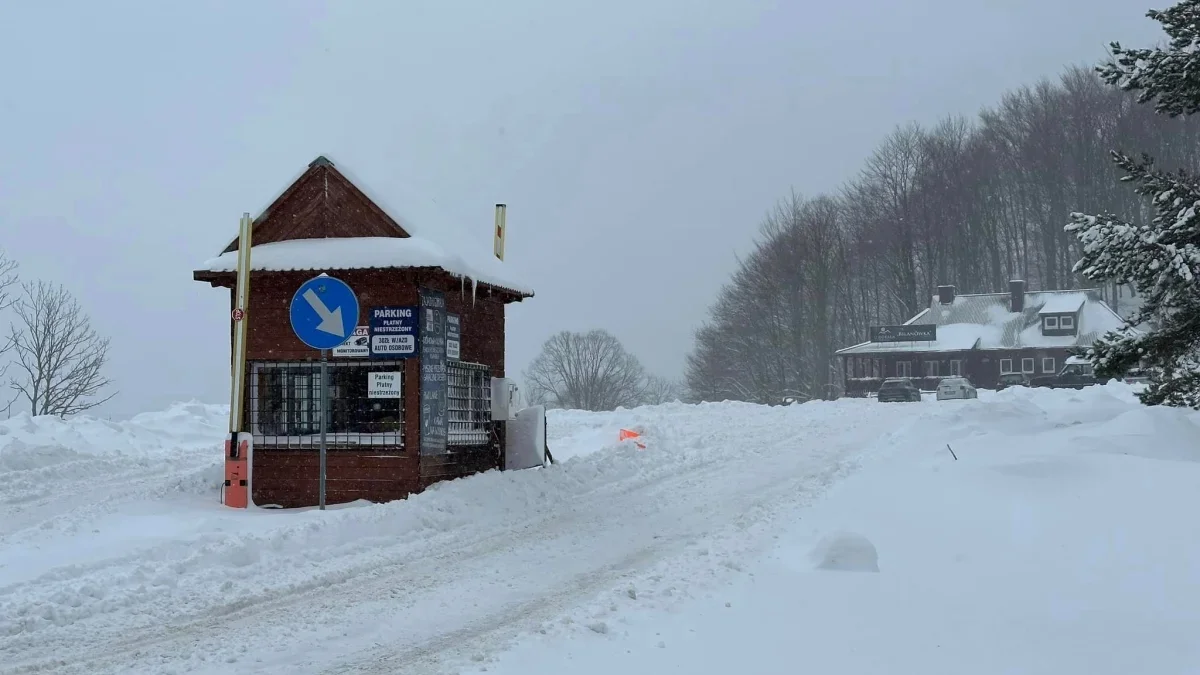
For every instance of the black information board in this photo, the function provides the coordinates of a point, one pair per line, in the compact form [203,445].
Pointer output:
[432,328]
[453,337]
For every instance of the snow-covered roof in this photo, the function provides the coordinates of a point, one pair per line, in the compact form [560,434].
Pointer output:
[358,253]
[1063,303]
[435,240]
[984,321]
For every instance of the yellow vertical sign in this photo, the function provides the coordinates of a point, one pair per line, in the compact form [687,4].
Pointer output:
[500,212]
[241,322]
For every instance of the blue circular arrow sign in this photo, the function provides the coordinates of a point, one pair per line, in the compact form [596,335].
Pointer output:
[324,312]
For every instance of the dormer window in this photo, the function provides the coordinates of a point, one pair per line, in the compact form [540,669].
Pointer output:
[1066,322]
[1051,323]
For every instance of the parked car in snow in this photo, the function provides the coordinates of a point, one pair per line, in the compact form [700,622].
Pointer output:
[896,389]
[956,388]
[1011,380]
[1076,374]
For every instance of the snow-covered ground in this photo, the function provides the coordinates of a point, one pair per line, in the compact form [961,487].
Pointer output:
[1062,540]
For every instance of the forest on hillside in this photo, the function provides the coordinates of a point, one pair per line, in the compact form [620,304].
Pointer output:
[971,202]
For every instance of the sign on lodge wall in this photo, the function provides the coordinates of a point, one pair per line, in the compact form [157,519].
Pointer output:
[921,332]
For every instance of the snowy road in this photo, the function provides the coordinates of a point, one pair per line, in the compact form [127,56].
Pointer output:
[1059,541]
[169,582]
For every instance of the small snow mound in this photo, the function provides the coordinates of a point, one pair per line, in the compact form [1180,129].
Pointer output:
[20,456]
[845,552]
[1056,470]
[1129,434]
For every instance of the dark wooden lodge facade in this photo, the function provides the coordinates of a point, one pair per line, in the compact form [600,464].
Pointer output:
[982,336]
[323,222]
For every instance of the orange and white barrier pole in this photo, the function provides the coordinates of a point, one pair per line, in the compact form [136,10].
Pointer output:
[239,445]
[626,434]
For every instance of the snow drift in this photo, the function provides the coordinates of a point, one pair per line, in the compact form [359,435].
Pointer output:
[116,557]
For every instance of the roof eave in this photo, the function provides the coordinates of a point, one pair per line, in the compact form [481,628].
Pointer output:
[215,279]
[918,315]
[226,278]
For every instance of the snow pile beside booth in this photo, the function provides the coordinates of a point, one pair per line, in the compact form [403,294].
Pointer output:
[46,463]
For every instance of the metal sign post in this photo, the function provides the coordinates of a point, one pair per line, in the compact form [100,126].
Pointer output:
[324,418]
[324,314]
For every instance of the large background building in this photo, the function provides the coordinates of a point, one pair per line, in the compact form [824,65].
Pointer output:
[980,336]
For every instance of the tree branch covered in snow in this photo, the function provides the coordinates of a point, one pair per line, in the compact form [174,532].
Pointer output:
[1160,258]
[1166,76]
[59,357]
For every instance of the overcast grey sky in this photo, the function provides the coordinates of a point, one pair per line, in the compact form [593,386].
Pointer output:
[637,143]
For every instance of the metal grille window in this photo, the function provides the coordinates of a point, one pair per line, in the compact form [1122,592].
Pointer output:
[285,405]
[469,402]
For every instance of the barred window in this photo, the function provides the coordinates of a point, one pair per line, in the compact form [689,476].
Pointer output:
[285,404]
[469,402]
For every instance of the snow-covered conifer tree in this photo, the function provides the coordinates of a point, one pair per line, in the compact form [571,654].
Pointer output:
[1160,258]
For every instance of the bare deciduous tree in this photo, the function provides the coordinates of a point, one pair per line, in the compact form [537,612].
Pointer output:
[968,203]
[658,389]
[585,371]
[59,357]
[8,279]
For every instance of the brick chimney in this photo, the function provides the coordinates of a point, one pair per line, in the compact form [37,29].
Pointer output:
[946,295]
[1016,289]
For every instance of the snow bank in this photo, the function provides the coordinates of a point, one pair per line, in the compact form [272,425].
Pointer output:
[58,476]
[618,552]
[99,575]
[183,425]
[40,456]
[1053,544]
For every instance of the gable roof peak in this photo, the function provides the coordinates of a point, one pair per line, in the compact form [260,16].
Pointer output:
[321,160]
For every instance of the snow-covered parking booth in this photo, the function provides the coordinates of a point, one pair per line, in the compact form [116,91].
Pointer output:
[401,273]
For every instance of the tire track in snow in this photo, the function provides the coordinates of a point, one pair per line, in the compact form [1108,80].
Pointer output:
[403,596]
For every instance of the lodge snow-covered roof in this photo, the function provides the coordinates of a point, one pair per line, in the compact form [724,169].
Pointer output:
[426,238]
[1064,303]
[984,321]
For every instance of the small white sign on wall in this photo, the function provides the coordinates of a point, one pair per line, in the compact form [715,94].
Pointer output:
[384,385]
[355,347]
